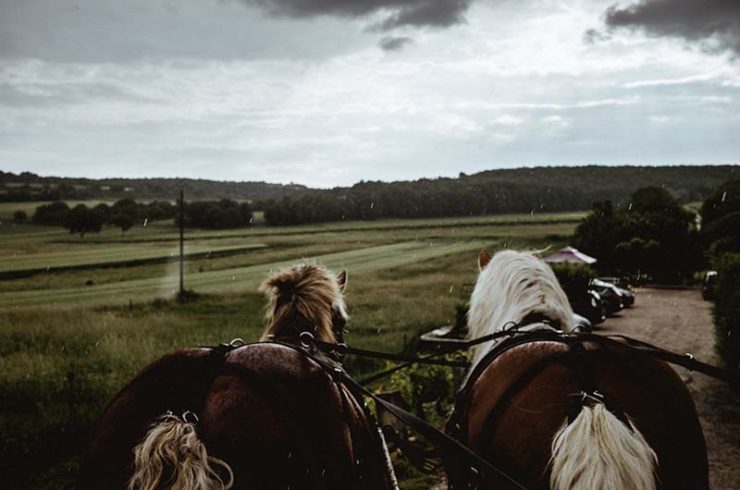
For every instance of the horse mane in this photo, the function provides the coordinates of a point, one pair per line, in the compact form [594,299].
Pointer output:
[511,287]
[303,297]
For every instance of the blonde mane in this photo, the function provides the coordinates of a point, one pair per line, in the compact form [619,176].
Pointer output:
[511,286]
[304,297]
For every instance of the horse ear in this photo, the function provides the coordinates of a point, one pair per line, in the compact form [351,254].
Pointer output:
[483,259]
[342,280]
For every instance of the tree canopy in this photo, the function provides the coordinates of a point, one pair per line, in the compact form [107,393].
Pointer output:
[81,219]
[721,220]
[652,235]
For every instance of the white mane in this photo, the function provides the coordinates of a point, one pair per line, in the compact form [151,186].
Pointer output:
[510,287]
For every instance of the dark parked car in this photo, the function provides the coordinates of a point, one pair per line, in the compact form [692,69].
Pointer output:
[610,294]
[589,305]
[707,287]
[628,297]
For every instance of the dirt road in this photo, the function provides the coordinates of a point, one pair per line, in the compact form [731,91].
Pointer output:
[679,320]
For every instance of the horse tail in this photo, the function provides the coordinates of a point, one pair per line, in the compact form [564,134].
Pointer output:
[172,457]
[597,450]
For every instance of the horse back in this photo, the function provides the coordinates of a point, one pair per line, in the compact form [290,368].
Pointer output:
[276,417]
[175,382]
[282,421]
[526,394]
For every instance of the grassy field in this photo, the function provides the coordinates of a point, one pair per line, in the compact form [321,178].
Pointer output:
[70,338]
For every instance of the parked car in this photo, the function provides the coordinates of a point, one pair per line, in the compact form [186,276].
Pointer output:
[707,287]
[628,297]
[589,305]
[610,294]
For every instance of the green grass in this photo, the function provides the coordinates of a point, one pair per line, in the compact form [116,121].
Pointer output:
[67,348]
[224,281]
[113,255]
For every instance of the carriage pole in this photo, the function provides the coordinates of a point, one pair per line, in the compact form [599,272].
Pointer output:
[182,241]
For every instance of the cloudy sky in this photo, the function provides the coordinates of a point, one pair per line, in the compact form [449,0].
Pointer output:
[329,92]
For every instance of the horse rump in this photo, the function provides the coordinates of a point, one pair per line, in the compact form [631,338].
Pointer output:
[597,450]
[171,456]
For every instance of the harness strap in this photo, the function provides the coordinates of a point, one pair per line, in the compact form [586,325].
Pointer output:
[436,437]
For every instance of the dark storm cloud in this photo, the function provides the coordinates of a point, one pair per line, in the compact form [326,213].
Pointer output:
[715,24]
[394,43]
[416,13]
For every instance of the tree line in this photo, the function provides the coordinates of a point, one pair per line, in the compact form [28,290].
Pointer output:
[125,213]
[549,188]
[654,236]
[28,186]
[544,189]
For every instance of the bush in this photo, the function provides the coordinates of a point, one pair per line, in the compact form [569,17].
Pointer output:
[20,216]
[423,383]
[721,220]
[727,310]
[574,278]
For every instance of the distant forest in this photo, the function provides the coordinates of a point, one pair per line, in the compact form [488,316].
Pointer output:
[524,190]
[28,186]
[540,189]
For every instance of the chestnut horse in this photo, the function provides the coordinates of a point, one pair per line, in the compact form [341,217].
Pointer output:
[567,414]
[259,416]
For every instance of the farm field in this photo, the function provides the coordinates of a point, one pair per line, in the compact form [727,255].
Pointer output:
[71,337]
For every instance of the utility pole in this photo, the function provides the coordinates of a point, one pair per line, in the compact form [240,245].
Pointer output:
[182,244]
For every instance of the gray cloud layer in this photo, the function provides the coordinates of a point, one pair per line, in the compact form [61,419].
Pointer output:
[415,13]
[394,43]
[713,23]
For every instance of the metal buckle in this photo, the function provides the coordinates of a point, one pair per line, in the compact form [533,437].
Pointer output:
[341,350]
[308,341]
[237,342]
[190,417]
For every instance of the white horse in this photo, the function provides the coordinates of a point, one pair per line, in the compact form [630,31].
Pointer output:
[596,450]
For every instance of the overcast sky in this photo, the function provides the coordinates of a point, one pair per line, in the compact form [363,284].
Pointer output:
[329,92]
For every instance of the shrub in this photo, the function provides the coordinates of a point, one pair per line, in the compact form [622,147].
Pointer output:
[727,310]
[574,278]
[20,216]
[422,383]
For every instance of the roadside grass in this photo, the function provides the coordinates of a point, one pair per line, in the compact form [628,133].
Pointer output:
[67,348]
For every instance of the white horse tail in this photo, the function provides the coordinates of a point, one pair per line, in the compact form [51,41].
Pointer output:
[172,457]
[598,451]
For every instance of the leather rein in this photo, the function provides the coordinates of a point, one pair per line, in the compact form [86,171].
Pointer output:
[330,356]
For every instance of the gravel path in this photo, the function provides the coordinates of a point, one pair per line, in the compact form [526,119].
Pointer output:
[679,320]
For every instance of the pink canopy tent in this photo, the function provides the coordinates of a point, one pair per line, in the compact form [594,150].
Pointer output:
[569,254]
